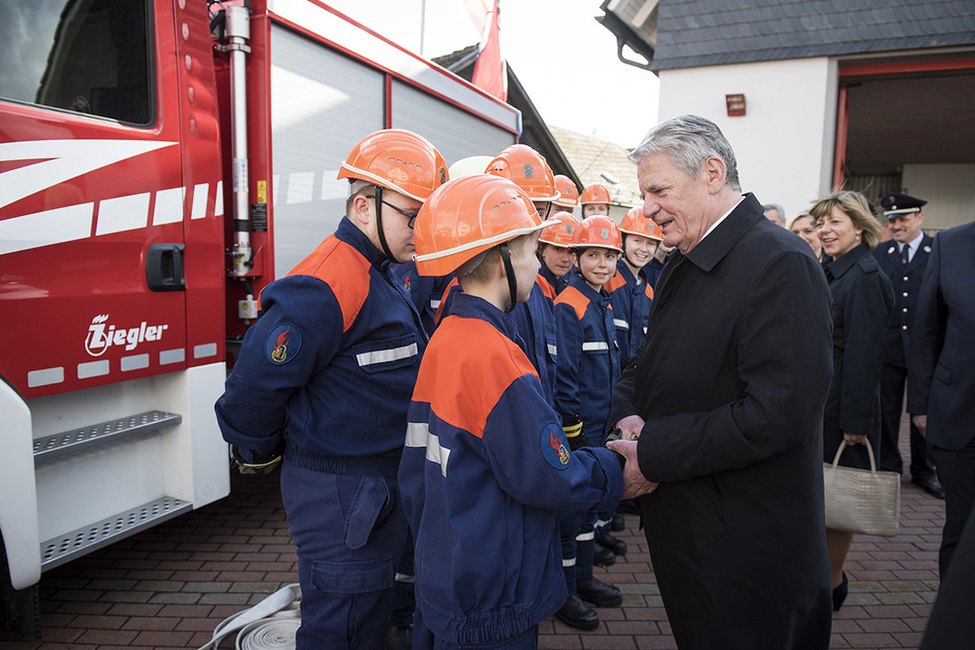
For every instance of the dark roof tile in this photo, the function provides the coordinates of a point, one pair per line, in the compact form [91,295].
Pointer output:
[714,32]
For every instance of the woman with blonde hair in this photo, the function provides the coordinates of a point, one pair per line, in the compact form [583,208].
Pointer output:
[863,298]
[805,226]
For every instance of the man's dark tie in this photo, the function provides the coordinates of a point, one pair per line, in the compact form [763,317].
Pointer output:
[904,251]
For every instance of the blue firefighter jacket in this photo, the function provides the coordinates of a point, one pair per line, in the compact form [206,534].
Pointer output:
[589,357]
[425,291]
[329,367]
[484,469]
[555,282]
[631,308]
[653,269]
[535,322]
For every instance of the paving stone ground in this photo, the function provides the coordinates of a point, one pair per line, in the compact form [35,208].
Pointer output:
[170,586]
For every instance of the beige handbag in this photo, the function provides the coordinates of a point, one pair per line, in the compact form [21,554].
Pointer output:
[861,501]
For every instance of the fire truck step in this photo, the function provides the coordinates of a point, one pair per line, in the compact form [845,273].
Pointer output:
[75,440]
[63,548]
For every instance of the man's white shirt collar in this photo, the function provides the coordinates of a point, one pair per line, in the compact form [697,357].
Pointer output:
[723,217]
[913,245]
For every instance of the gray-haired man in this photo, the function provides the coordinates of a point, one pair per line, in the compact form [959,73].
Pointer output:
[725,400]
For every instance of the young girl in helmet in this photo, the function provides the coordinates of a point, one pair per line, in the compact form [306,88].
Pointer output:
[486,462]
[595,200]
[631,289]
[554,243]
[588,367]
[556,254]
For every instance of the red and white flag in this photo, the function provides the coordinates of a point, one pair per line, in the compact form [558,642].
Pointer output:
[490,74]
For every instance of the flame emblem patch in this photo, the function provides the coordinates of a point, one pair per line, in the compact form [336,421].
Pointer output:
[282,344]
[554,446]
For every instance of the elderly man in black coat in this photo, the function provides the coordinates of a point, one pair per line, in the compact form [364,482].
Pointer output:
[725,399]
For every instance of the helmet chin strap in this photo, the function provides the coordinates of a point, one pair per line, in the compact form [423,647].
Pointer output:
[510,273]
[379,224]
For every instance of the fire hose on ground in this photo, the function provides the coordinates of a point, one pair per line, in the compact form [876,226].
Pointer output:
[269,625]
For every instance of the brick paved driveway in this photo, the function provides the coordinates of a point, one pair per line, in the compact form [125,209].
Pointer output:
[169,587]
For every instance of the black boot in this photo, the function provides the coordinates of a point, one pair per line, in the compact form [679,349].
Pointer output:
[618,523]
[399,638]
[577,614]
[599,593]
[602,556]
[839,593]
[617,546]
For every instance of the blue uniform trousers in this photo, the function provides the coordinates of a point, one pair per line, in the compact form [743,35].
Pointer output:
[604,517]
[423,639]
[574,558]
[578,531]
[404,598]
[350,532]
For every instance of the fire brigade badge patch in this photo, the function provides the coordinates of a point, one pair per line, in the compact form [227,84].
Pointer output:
[554,446]
[282,344]
[408,282]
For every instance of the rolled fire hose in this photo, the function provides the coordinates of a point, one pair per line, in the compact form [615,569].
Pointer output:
[269,625]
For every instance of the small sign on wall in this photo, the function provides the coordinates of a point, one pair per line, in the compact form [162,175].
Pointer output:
[736,104]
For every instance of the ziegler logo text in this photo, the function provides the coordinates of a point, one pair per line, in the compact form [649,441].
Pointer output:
[102,336]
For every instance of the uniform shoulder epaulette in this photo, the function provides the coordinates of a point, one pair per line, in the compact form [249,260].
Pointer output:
[575,299]
[615,283]
[547,287]
[344,270]
[480,378]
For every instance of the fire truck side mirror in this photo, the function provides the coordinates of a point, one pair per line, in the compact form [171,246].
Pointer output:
[164,267]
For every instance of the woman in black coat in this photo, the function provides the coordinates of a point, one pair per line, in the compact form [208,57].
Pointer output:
[862,300]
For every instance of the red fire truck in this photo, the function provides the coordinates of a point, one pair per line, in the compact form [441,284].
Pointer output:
[161,161]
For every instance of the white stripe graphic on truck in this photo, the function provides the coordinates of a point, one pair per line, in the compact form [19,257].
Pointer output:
[62,160]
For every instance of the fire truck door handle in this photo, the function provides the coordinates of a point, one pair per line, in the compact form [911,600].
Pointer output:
[164,267]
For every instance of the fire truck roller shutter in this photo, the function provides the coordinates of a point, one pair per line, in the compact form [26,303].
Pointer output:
[455,132]
[322,103]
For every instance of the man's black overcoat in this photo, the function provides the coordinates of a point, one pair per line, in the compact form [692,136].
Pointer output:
[731,381]
[941,381]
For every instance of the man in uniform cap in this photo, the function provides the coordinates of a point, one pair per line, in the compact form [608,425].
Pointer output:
[903,259]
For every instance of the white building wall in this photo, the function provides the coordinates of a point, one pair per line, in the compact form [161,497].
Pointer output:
[778,161]
[948,191]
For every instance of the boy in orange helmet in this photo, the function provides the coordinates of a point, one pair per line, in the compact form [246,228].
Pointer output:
[324,379]
[486,463]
